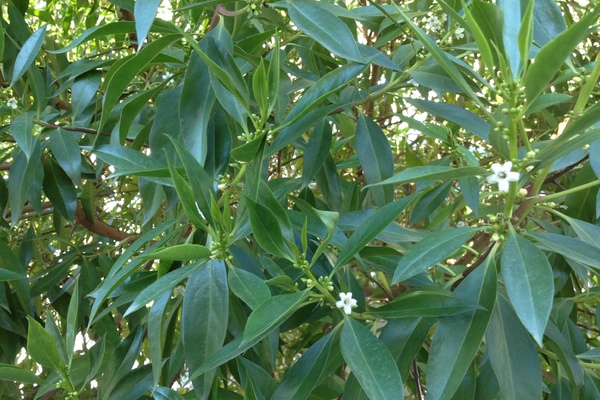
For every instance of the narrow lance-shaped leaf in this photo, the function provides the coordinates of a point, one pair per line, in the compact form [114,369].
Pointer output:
[552,56]
[27,54]
[457,339]
[432,173]
[325,28]
[41,346]
[204,319]
[376,158]
[426,301]
[370,229]
[164,284]
[431,250]
[266,229]
[144,12]
[512,354]
[370,361]
[529,283]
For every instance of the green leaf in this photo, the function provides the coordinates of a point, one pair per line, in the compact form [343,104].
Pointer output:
[121,74]
[376,158]
[431,250]
[325,28]
[370,361]
[83,91]
[72,323]
[272,313]
[490,19]
[9,261]
[130,162]
[180,252]
[369,229]
[204,319]
[529,283]
[22,178]
[200,182]
[437,53]
[511,11]
[144,12]
[27,54]
[526,33]
[11,373]
[316,151]
[41,346]
[156,334]
[273,74]
[458,115]
[433,173]
[306,373]
[560,345]
[552,56]
[188,200]
[248,287]
[6,275]
[587,232]
[59,189]
[66,151]
[569,247]
[21,128]
[266,229]
[425,301]
[260,88]
[512,354]
[163,284]
[331,82]
[457,339]
[470,191]
[426,205]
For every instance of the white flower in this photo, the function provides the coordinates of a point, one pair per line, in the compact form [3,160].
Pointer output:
[12,103]
[433,23]
[503,176]
[167,76]
[459,32]
[346,302]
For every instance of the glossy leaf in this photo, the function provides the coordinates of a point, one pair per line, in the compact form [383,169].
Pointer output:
[121,74]
[316,151]
[458,338]
[331,82]
[272,313]
[180,252]
[248,287]
[431,250]
[204,319]
[27,54]
[529,284]
[375,155]
[163,284]
[370,362]
[66,151]
[432,173]
[552,56]
[266,229]
[424,302]
[325,28]
[307,372]
[368,230]
[569,247]
[144,12]
[512,354]
[41,346]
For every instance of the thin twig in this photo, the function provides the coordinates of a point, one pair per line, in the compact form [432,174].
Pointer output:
[417,379]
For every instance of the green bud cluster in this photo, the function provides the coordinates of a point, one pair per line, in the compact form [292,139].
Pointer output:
[325,281]
[255,6]
[301,262]
[309,282]
[224,181]
[497,228]
[219,247]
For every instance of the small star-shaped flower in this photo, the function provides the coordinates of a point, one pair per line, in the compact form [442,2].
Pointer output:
[12,103]
[502,175]
[346,302]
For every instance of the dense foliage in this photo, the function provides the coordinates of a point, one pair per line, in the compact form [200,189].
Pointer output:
[299,199]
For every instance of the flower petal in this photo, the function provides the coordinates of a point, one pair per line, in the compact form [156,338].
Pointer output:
[512,176]
[503,185]
[497,168]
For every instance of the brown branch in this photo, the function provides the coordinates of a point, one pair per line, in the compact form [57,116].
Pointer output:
[415,375]
[99,227]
